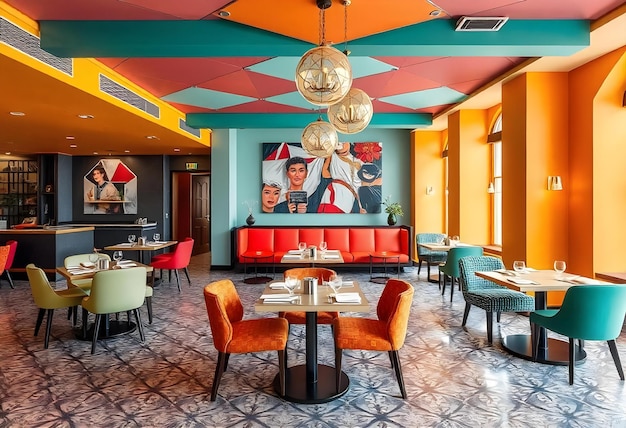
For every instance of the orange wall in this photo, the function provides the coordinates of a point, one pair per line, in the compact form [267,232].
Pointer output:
[469,172]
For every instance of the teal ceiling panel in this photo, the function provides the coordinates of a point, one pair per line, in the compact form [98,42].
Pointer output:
[216,38]
[294,99]
[207,98]
[426,98]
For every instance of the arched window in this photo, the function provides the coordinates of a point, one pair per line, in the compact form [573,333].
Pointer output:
[495,187]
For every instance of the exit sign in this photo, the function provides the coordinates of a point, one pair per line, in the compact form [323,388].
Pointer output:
[191,165]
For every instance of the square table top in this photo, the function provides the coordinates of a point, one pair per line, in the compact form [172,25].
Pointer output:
[150,246]
[541,280]
[67,275]
[289,258]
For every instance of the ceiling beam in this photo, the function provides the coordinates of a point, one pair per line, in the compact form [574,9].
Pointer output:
[298,120]
[217,38]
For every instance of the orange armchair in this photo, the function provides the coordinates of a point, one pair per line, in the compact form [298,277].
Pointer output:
[232,334]
[387,333]
[322,274]
[177,259]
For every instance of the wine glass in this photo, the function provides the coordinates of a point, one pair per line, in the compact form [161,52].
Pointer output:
[93,257]
[156,237]
[335,283]
[519,266]
[323,246]
[302,246]
[559,267]
[132,238]
[117,256]
[291,282]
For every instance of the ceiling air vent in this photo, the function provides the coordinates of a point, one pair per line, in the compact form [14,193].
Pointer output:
[480,23]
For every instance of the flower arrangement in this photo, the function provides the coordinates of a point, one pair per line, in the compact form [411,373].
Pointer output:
[392,207]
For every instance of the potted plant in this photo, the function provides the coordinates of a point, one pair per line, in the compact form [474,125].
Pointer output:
[394,209]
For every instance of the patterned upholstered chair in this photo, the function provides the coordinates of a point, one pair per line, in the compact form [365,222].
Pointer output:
[450,269]
[488,295]
[588,312]
[387,333]
[233,334]
[426,255]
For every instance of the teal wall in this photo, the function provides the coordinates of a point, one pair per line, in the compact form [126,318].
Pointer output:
[236,177]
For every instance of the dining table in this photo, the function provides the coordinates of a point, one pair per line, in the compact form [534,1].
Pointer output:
[109,328]
[435,246]
[312,383]
[551,350]
[320,257]
[612,277]
[148,247]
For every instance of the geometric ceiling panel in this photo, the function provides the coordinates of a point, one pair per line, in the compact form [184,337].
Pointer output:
[294,99]
[248,83]
[427,98]
[206,98]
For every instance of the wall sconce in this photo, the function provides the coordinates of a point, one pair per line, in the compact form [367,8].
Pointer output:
[554,182]
[491,188]
[430,190]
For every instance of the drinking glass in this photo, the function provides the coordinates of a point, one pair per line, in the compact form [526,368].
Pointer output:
[117,256]
[291,283]
[93,257]
[323,246]
[335,283]
[302,246]
[559,267]
[519,266]
[156,237]
[132,239]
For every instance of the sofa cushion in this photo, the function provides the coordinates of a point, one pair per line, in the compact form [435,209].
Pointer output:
[311,236]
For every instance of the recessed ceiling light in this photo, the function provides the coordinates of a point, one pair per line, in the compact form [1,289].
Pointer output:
[17,113]
[73,146]
[7,153]
[85,116]
[224,13]
[435,12]
[126,151]
[177,150]
[95,153]
[152,137]
[70,137]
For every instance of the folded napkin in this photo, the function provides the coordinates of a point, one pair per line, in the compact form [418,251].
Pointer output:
[330,256]
[154,244]
[277,285]
[521,281]
[292,256]
[278,298]
[347,284]
[160,242]
[125,244]
[80,271]
[121,262]
[347,298]
[126,265]
[506,272]
[579,280]
[298,252]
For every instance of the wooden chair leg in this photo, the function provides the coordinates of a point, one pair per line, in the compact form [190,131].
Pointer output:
[398,368]
[281,371]
[490,327]
[96,331]
[40,315]
[338,354]
[572,348]
[46,339]
[149,307]
[466,313]
[616,360]
[219,370]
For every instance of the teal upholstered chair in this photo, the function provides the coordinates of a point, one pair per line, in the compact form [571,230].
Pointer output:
[588,312]
[429,256]
[451,267]
[488,295]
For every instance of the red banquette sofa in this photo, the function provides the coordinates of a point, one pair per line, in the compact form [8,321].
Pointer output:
[355,242]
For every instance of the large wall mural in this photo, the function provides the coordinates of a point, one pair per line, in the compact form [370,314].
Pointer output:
[110,187]
[347,181]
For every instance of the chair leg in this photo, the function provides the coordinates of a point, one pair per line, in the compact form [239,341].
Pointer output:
[10,279]
[338,354]
[398,368]
[419,267]
[226,361]
[85,322]
[428,270]
[490,327]
[177,279]
[466,313]
[40,315]
[534,338]
[149,307]
[96,331]
[187,275]
[46,339]
[616,360]
[142,336]
[281,371]
[443,283]
[498,316]
[572,348]
[451,287]
[219,370]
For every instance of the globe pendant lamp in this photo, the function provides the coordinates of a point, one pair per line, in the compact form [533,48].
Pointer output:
[353,113]
[319,139]
[323,75]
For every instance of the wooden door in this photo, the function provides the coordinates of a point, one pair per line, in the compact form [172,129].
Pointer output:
[200,212]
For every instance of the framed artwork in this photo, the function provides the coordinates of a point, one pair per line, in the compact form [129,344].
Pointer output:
[347,181]
[110,187]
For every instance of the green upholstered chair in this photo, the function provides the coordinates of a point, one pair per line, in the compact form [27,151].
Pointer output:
[488,295]
[47,299]
[385,333]
[451,267]
[113,291]
[588,312]
[85,283]
[429,256]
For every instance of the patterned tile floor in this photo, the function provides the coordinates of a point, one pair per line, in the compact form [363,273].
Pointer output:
[453,378]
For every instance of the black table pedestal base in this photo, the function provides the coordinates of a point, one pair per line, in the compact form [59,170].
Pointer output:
[116,328]
[557,352]
[325,390]
[257,280]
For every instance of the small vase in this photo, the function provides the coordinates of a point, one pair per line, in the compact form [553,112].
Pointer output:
[391,219]
[250,220]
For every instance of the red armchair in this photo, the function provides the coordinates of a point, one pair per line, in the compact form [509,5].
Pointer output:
[177,259]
